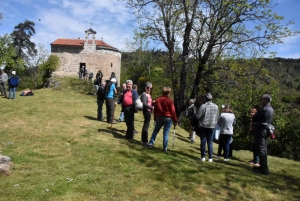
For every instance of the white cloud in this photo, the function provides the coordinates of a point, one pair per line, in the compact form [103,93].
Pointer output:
[70,18]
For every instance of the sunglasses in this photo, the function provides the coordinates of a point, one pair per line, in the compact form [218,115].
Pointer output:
[149,88]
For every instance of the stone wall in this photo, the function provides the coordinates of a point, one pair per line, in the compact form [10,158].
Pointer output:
[101,59]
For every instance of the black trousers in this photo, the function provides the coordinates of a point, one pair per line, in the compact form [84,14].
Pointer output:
[260,146]
[109,102]
[129,119]
[147,118]
[99,111]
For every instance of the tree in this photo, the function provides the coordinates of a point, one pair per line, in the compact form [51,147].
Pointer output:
[21,39]
[208,29]
[50,65]
[7,52]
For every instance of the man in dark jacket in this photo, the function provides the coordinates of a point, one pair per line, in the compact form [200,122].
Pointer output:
[128,106]
[260,121]
[100,100]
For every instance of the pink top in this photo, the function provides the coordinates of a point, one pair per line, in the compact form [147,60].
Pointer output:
[127,99]
[149,100]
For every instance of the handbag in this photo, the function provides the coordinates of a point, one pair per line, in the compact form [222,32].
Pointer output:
[270,130]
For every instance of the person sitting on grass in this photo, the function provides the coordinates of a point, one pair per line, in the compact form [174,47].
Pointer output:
[28,92]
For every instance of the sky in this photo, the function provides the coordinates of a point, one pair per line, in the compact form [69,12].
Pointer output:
[113,22]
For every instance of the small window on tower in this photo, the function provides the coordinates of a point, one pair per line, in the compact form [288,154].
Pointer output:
[111,65]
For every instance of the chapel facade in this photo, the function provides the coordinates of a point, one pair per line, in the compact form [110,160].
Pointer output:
[91,54]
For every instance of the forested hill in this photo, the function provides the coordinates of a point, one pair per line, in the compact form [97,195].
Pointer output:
[287,72]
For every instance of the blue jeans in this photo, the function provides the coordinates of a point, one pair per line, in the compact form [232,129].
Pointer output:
[224,142]
[206,135]
[121,116]
[13,91]
[160,122]
[255,155]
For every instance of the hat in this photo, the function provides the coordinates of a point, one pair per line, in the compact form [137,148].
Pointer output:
[13,72]
[113,80]
[2,68]
[208,97]
[192,100]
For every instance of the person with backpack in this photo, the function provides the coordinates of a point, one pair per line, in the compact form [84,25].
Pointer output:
[100,100]
[191,115]
[147,110]
[13,83]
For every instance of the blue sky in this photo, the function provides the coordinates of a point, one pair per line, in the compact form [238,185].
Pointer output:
[110,19]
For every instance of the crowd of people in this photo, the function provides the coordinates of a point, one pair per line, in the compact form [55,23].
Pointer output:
[11,81]
[203,121]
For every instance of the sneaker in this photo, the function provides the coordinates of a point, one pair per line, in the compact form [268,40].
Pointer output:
[210,160]
[192,141]
[135,131]
[226,159]
[144,143]
[218,157]
[202,159]
[165,150]
[149,146]
[256,164]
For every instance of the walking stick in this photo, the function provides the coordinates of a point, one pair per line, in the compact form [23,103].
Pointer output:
[173,138]
[112,119]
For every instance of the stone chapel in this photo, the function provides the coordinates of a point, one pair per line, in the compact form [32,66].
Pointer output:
[92,54]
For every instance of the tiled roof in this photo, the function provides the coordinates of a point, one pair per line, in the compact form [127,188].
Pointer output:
[80,43]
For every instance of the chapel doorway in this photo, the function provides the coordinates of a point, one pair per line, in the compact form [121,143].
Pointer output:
[82,70]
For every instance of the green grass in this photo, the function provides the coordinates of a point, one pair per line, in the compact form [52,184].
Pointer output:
[61,152]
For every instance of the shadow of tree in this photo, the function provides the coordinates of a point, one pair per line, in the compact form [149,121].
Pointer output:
[167,167]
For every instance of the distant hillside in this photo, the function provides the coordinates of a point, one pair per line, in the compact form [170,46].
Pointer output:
[287,73]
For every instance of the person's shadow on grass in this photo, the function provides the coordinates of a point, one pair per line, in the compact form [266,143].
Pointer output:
[91,118]
[115,132]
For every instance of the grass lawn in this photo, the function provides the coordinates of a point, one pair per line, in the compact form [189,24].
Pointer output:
[61,152]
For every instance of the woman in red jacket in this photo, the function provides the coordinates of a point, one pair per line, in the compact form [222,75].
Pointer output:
[164,115]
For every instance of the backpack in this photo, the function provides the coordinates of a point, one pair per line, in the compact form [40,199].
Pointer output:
[91,75]
[193,119]
[139,104]
[14,81]
[96,81]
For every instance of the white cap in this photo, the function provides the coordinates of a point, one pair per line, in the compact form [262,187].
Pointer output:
[113,80]
[13,72]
